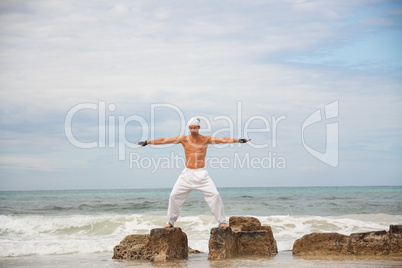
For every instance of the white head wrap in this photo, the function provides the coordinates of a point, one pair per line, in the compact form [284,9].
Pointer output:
[194,121]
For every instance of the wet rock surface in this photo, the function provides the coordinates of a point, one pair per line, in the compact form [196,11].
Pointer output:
[244,237]
[375,243]
[160,245]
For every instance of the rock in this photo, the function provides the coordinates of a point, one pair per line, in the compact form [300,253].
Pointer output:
[160,245]
[395,239]
[194,251]
[274,247]
[321,243]
[169,242]
[253,243]
[369,243]
[222,244]
[244,224]
[133,247]
[244,237]
[357,244]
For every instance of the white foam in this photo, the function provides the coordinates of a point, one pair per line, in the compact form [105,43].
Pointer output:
[288,229]
[198,230]
[44,235]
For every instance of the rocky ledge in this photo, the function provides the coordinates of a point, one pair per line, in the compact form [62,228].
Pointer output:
[244,237]
[160,245]
[359,244]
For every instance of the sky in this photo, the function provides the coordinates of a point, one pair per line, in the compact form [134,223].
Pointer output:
[316,85]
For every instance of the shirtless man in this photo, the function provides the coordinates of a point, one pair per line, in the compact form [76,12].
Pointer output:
[194,176]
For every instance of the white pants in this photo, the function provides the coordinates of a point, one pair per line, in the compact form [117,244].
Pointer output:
[195,179]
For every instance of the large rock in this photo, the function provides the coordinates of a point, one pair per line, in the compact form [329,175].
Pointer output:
[321,243]
[245,224]
[359,244]
[160,245]
[369,243]
[244,237]
[253,243]
[395,239]
[272,241]
[133,247]
[222,244]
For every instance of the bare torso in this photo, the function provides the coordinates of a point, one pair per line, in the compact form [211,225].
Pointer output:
[195,149]
[195,145]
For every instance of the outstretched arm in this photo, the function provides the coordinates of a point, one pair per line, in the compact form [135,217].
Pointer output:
[214,140]
[160,141]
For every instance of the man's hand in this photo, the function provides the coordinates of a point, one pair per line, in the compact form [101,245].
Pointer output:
[142,143]
[243,140]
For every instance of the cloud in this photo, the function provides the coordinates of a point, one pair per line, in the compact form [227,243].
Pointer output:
[120,10]
[284,58]
[25,163]
[378,21]
[162,14]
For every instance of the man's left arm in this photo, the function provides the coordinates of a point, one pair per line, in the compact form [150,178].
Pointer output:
[214,140]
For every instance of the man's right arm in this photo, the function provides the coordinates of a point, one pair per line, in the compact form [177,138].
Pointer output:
[161,141]
[214,140]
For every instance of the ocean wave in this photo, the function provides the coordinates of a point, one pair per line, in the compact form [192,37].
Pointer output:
[323,201]
[23,235]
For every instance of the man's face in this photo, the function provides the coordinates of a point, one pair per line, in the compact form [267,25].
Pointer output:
[194,129]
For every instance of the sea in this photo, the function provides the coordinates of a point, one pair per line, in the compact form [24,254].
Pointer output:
[81,227]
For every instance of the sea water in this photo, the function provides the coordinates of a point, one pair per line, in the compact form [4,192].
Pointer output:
[53,223]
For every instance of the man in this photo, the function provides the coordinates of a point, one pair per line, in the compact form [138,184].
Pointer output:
[194,176]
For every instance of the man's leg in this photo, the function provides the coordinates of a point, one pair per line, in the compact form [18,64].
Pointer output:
[179,193]
[213,198]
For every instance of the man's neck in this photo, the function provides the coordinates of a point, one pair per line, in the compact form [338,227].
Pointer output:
[194,135]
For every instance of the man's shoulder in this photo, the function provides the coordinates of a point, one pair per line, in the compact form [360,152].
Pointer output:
[183,138]
[207,138]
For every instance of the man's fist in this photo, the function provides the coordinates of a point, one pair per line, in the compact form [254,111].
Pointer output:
[142,143]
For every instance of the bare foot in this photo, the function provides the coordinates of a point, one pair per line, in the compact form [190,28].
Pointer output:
[168,226]
[223,225]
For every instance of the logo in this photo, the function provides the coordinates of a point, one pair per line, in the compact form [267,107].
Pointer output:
[330,156]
